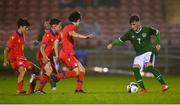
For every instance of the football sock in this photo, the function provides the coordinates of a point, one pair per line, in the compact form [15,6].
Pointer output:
[80,80]
[31,87]
[156,73]
[20,85]
[66,74]
[138,77]
[42,83]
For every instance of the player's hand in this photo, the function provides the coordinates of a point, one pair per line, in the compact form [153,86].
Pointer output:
[109,46]
[158,47]
[6,63]
[90,36]
[45,60]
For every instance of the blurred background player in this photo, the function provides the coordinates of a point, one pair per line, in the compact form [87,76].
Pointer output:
[140,38]
[14,54]
[67,53]
[44,29]
[46,50]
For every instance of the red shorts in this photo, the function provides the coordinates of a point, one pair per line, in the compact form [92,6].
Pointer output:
[41,64]
[39,59]
[71,61]
[20,61]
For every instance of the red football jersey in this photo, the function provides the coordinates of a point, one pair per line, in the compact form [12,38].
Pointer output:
[16,45]
[48,40]
[67,41]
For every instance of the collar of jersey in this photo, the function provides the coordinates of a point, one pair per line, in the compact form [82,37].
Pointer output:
[139,30]
[19,34]
[53,33]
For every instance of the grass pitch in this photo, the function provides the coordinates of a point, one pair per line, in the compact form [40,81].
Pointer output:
[101,89]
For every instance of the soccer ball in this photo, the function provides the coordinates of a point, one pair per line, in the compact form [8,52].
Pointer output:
[132,87]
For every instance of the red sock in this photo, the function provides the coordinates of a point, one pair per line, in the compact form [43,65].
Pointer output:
[66,74]
[80,80]
[40,77]
[20,85]
[42,82]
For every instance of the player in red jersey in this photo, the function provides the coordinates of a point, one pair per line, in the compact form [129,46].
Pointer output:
[67,54]
[14,54]
[46,49]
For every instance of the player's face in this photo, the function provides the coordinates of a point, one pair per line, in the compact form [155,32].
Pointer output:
[46,25]
[24,29]
[78,22]
[58,27]
[135,26]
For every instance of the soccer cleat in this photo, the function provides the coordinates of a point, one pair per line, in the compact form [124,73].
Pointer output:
[143,90]
[21,92]
[39,92]
[53,88]
[33,76]
[164,87]
[80,91]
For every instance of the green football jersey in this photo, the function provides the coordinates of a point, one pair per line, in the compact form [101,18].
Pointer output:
[141,40]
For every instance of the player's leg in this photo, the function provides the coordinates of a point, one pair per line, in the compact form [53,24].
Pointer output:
[150,67]
[137,66]
[80,79]
[47,72]
[21,73]
[72,70]
[32,81]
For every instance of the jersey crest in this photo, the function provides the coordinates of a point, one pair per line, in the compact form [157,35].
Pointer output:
[144,35]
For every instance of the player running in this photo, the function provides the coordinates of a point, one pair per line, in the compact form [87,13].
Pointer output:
[44,29]
[14,54]
[46,49]
[140,37]
[67,54]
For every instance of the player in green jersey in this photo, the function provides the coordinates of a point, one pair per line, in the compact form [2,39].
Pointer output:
[140,38]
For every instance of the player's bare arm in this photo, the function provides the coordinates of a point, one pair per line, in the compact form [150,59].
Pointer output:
[45,58]
[56,48]
[77,35]
[6,60]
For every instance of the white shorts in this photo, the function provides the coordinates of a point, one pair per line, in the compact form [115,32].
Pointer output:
[143,59]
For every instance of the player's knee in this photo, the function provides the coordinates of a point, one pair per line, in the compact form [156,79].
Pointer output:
[136,66]
[148,64]
[30,68]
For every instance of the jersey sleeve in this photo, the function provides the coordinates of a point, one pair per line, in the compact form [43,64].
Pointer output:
[154,31]
[11,42]
[45,39]
[120,40]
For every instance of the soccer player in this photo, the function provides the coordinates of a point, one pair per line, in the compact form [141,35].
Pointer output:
[45,28]
[14,54]
[140,38]
[67,54]
[46,49]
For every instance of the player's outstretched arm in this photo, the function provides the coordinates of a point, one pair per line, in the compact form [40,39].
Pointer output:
[77,35]
[109,46]
[6,60]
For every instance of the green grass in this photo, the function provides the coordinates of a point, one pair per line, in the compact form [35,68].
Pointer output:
[101,89]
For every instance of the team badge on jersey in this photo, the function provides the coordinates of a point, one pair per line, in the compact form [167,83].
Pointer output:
[133,36]
[144,35]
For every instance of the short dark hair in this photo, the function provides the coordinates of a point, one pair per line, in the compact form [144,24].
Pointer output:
[54,21]
[134,18]
[74,16]
[22,22]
